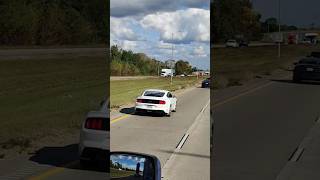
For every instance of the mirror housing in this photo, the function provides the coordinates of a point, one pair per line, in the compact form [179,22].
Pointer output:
[128,164]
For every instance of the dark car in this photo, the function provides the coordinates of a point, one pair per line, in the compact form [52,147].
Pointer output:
[243,43]
[206,83]
[307,69]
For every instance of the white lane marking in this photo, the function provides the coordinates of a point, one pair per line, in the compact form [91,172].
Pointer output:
[297,155]
[183,140]
[307,140]
[170,162]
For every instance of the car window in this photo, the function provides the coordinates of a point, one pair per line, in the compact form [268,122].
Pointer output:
[154,93]
[169,95]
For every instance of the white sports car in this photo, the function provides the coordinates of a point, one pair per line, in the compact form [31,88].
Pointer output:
[155,100]
[95,135]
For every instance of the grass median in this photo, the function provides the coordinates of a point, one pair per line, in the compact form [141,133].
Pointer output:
[124,92]
[235,66]
[47,97]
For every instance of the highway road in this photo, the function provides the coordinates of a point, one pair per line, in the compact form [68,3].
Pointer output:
[161,136]
[257,131]
[59,162]
[148,134]
[252,44]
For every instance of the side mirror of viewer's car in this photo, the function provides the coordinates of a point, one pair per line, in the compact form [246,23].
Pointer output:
[128,165]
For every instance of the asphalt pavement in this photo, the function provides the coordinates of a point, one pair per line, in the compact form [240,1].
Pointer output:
[160,136]
[257,131]
[59,162]
[265,130]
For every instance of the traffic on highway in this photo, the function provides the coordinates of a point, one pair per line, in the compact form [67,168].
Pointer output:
[167,138]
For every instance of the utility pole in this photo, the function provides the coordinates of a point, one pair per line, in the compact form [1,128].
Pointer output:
[158,68]
[171,59]
[280,36]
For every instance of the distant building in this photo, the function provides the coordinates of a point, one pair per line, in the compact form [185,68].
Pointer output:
[292,37]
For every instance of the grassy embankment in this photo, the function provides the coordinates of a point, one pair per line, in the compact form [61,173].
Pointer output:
[236,66]
[125,91]
[42,98]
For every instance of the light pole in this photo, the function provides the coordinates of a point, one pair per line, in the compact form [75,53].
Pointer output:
[280,36]
[172,67]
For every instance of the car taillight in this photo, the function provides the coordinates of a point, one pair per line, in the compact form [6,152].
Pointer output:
[162,102]
[140,100]
[95,123]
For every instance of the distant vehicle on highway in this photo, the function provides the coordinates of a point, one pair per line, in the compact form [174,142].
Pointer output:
[243,43]
[206,83]
[307,69]
[167,72]
[155,100]
[306,41]
[183,75]
[95,136]
[232,43]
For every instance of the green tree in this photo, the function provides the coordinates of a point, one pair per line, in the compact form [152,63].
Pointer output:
[183,67]
[231,18]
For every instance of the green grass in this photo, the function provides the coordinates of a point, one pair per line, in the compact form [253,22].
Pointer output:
[126,91]
[115,173]
[46,97]
[236,66]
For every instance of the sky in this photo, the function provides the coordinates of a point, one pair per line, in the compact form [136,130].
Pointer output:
[293,12]
[128,161]
[153,26]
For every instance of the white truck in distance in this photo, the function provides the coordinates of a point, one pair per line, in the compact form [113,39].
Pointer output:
[167,72]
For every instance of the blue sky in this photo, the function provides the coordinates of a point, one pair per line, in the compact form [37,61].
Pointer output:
[153,26]
[128,161]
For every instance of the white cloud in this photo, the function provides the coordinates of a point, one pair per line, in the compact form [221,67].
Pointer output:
[121,28]
[128,45]
[123,8]
[162,45]
[186,25]
[199,51]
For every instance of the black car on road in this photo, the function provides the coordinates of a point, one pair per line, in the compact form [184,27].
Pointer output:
[206,83]
[307,69]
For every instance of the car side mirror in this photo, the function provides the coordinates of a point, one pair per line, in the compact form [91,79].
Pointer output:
[128,165]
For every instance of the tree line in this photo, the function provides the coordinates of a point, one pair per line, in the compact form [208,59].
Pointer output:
[53,22]
[128,63]
[232,19]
